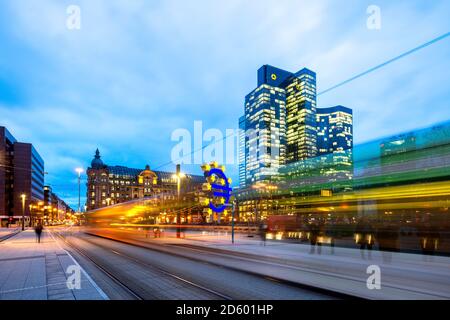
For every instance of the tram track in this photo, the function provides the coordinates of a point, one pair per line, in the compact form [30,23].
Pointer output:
[130,286]
[100,267]
[166,249]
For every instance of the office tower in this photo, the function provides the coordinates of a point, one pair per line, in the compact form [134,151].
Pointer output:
[241,156]
[280,123]
[335,142]
[301,131]
[7,141]
[265,123]
[334,129]
[21,173]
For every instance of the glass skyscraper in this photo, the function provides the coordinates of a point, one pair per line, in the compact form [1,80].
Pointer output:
[242,175]
[335,142]
[280,122]
[301,101]
[334,129]
[265,114]
[283,126]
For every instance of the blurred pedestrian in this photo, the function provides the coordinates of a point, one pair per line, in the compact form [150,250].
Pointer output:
[364,237]
[314,234]
[262,233]
[38,229]
[331,233]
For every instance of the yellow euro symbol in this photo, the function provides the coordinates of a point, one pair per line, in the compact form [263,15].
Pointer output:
[274,76]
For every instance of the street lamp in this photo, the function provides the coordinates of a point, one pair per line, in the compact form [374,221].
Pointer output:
[178,176]
[23,196]
[79,171]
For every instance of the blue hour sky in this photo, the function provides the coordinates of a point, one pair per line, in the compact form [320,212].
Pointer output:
[138,70]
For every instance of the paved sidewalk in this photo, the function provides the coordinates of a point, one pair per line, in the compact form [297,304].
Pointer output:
[5,232]
[37,271]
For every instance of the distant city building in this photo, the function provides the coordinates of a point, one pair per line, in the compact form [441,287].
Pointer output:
[109,185]
[335,143]
[242,169]
[55,209]
[21,173]
[398,144]
[334,129]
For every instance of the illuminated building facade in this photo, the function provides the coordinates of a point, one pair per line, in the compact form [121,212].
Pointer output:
[53,207]
[109,185]
[21,173]
[242,175]
[280,122]
[265,132]
[334,129]
[315,144]
[335,142]
[301,101]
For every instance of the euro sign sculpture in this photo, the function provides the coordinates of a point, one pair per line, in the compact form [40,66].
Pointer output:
[220,191]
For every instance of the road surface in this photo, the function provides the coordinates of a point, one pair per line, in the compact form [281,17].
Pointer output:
[126,271]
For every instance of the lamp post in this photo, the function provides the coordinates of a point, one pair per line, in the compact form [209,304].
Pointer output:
[23,196]
[234,205]
[178,176]
[79,171]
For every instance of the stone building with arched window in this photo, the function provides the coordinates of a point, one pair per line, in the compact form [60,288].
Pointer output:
[109,185]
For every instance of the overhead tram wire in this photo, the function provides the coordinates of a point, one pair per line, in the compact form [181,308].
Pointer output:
[403,55]
[192,152]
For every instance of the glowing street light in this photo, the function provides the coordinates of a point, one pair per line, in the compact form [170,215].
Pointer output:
[79,171]
[178,176]
[23,196]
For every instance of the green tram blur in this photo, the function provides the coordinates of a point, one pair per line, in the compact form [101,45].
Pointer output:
[390,194]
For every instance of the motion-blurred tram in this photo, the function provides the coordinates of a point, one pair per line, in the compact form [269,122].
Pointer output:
[392,194]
